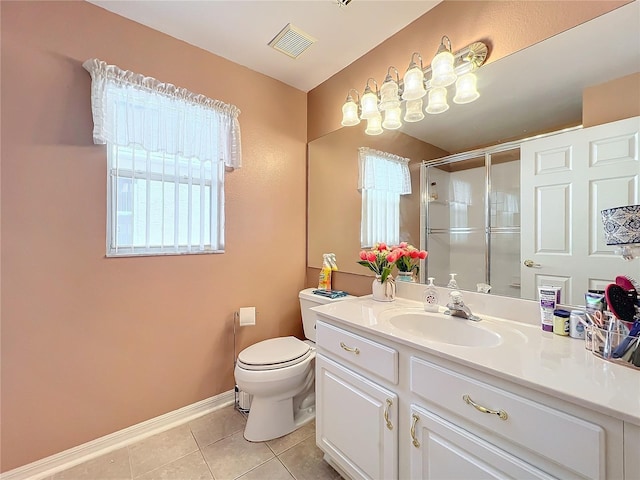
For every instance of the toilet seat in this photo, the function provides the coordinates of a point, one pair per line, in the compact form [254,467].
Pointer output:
[274,353]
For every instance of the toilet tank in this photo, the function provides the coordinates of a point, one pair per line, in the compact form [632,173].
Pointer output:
[307,301]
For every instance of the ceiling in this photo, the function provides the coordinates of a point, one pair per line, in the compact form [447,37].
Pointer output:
[240,30]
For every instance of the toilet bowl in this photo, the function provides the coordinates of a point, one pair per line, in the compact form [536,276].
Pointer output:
[280,375]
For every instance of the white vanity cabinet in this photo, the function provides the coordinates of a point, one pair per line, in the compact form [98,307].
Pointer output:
[357,425]
[509,432]
[450,420]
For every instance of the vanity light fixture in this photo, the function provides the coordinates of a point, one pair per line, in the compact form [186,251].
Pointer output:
[445,69]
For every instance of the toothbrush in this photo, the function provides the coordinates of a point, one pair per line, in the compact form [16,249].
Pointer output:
[633,334]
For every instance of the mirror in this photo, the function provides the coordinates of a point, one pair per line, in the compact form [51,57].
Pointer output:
[538,89]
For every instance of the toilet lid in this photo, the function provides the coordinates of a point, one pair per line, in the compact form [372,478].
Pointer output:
[275,352]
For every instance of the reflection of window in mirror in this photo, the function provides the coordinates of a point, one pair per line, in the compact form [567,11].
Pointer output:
[383,178]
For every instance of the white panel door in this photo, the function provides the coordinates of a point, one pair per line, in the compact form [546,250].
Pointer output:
[441,450]
[356,422]
[567,179]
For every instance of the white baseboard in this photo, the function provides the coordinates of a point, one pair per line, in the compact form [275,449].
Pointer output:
[100,446]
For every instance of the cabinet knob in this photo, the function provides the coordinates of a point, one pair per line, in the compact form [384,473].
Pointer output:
[386,414]
[416,443]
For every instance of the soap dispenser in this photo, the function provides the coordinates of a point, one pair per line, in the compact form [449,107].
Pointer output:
[452,281]
[430,297]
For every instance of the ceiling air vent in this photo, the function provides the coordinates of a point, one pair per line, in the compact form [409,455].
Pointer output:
[292,41]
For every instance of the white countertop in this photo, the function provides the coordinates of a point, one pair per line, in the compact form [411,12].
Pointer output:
[553,364]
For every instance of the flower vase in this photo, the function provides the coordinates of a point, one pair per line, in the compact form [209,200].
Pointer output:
[384,292]
[405,277]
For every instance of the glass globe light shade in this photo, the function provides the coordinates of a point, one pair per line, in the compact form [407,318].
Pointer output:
[350,114]
[413,84]
[442,71]
[437,101]
[374,125]
[389,95]
[466,91]
[369,105]
[413,111]
[392,119]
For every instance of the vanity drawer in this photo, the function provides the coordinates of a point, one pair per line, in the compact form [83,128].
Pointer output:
[567,440]
[370,356]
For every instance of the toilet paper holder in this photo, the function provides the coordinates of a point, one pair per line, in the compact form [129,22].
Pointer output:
[245,316]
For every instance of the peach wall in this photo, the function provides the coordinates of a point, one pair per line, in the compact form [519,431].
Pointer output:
[611,101]
[506,26]
[93,345]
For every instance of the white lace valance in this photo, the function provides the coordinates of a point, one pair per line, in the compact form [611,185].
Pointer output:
[129,108]
[383,171]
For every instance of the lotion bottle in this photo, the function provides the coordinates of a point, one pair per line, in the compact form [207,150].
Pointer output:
[430,297]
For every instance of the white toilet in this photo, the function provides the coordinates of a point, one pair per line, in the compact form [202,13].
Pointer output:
[280,374]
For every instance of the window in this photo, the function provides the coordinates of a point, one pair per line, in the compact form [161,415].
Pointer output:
[162,203]
[167,150]
[383,178]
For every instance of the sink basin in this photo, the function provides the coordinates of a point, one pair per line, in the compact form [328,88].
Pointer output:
[437,327]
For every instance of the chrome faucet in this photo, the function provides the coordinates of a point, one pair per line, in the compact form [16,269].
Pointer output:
[457,308]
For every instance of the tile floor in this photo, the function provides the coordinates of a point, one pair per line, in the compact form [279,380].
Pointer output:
[210,448]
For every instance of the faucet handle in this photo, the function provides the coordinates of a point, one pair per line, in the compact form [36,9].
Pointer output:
[456,297]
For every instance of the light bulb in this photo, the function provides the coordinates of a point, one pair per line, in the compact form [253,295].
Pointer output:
[413,111]
[350,113]
[369,104]
[443,74]
[413,84]
[392,119]
[389,95]
[374,125]
[466,91]
[437,101]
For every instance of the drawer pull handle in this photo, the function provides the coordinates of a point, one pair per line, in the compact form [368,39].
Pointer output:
[386,414]
[355,350]
[500,413]
[416,443]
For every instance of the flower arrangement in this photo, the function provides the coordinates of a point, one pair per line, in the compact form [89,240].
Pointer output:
[382,258]
[377,260]
[407,257]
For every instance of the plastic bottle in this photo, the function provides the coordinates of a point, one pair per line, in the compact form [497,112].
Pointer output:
[332,261]
[324,282]
[561,322]
[430,297]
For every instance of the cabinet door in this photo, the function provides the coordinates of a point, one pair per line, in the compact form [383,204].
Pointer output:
[631,448]
[356,422]
[441,450]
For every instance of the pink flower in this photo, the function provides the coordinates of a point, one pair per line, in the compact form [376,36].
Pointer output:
[403,245]
[371,257]
[363,255]
[414,254]
[423,254]
[392,257]
[382,246]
